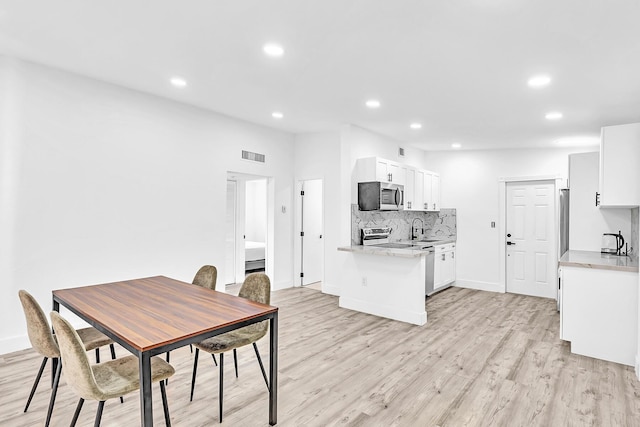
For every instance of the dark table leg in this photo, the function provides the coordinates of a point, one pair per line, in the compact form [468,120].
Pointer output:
[54,361]
[273,370]
[146,404]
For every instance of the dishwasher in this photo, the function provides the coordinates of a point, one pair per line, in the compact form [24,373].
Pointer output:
[428,276]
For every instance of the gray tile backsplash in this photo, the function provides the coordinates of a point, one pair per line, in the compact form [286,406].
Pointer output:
[440,224]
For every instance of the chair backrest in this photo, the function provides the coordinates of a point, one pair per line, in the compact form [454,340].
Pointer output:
[206,277]
[257,287]
[77,369]
[38,328]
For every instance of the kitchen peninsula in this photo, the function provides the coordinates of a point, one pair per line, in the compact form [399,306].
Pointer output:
[390,281]
[387,282]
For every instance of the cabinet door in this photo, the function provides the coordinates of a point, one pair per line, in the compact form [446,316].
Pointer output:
[435,192]
[428,195]
[398,173]
[383,172]
[419,190]
[619,153]
[410,190]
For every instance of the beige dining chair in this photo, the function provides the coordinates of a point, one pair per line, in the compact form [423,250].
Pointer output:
[103,381]
[256,287]
[44,342]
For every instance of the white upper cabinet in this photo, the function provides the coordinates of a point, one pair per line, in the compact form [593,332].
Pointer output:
[619,176]
[377,169]
[421,187]
[431,191]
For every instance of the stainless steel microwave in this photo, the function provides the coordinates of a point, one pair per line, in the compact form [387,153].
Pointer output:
[382,196]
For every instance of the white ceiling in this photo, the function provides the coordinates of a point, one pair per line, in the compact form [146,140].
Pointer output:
[459,67]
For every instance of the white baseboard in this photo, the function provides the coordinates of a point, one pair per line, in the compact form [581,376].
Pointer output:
[330,289]
[480,286]
[283,284]
[415,318]
[9,345]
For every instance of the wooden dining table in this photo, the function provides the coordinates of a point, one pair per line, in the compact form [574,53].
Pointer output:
[153,315]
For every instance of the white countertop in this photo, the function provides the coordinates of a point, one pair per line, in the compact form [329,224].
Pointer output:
[423,249]
[592,259]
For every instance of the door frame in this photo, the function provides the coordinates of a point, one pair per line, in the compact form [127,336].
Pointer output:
[241,178]
[297,243]
[502,209]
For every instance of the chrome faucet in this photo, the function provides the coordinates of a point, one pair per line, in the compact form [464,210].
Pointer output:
[413,228]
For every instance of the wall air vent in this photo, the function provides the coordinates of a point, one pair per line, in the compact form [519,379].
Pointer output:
[400,151]
[254,157]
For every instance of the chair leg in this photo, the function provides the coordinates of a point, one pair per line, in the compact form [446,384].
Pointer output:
[168,353]
[99,414]
[191,347]
[97,355]
[113,357]
[36,382]
[163,392]
[193,376]
[214,359]
[221,384]
[235,361]
[77,412]
[54,391]
[264,374]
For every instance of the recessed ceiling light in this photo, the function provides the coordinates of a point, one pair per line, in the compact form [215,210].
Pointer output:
[539,81]
[274,50]
[415,126]
[456,145]
[277,115]
[554,115]
[372,103]
[178,81]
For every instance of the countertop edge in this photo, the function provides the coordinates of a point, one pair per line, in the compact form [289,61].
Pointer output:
[401,253]
[598,261]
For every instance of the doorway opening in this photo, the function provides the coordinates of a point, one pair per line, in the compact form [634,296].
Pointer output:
[310,226]
[249,227]
[530,237]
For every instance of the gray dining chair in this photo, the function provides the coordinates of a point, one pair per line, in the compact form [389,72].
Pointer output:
[206,277]
[44,342]
[107,380]
[256,287]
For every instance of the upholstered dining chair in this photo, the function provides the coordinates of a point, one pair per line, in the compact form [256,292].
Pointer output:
[256,287]
[206,277]
[103,381]
[44,342]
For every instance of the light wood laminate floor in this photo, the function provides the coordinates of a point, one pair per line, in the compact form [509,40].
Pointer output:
[483,359]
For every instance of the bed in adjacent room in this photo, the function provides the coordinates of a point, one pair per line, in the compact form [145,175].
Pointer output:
[254,255]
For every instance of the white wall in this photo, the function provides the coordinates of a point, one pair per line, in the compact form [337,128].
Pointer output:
[318,156]
[587,222]
[100,183]
[469,183]
[256,210]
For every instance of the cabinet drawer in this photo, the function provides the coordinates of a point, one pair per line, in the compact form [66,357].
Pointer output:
[444,248]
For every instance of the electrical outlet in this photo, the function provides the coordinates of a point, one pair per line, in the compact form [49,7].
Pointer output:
[364,281]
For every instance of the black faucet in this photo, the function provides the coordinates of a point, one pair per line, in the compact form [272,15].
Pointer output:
[413,229]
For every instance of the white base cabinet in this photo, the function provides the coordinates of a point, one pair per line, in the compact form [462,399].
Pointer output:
[444,266]
[599,313]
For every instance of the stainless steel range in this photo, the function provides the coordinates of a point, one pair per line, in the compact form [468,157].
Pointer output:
[375,235]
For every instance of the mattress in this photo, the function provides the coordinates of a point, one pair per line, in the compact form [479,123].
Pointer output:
[253,250]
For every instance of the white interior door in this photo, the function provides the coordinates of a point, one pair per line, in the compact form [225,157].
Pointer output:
[312,241]
[230,234]
[530,239]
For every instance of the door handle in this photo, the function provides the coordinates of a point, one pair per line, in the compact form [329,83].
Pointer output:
[510,243]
